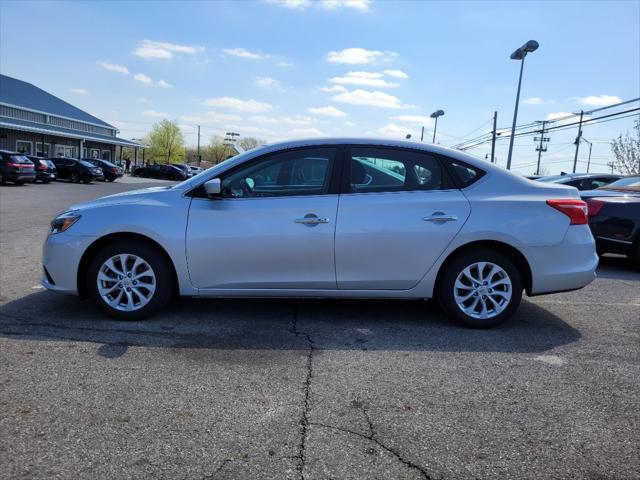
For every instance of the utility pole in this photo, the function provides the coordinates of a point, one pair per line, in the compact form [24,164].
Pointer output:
[493,137]
[199,158]
[577,142]
[611,164]
[541,147]
[589,161]
[422,134]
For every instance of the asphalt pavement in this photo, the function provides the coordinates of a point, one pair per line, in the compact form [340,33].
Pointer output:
[308,389]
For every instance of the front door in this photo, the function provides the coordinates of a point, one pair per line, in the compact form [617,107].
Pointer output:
[399,214]
[272,228]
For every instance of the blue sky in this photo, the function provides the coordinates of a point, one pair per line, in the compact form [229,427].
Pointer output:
[284,69]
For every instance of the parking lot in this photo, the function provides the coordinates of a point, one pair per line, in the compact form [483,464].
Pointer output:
[331,389]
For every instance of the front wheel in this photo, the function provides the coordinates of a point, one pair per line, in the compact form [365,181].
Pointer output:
[74,177]
[480,288]
[130,280]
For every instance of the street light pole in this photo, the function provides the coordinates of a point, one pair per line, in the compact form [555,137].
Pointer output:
[519,54]
[436,114]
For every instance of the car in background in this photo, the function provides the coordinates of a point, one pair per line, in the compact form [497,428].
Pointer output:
[162,171]
[614,217]
[45,169]
[195,170]
[185,168]
[582,181]
[16,168]
[77,171]
[329,218]
[109,170]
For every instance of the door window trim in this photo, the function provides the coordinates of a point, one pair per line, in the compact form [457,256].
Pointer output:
[198,192]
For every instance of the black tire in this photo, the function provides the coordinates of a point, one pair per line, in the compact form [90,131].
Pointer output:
[2,179]
[19,182]
[634,254]
[447,280]
[111,179]
[46,181]
[158,263]
[86,181]
[74,177]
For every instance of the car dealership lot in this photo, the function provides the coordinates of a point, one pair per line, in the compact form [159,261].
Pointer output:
[308,388]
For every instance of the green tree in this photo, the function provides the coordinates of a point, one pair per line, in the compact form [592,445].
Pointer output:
[166,143]
[626,149]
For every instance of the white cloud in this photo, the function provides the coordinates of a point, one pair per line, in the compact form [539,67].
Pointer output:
[568,117]
[359,5]
[366,97]
[396,73]
[328,111]
[237,104]
[334,89]
[242,53]
[557,115]
[142,78]
[79,91]
[210,117]
[533,101]
[349,124]
[358,56]
[414,119]
[269,83]
[598,100]
[163,50]
[284,64]
[306,132]
[395,131]
[282,120]
[114,67]
[365,79]
[154,114]
[163,84]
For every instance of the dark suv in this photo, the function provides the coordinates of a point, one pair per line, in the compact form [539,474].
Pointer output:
[109,170]
[16,168]
[168,172]
[77,171]
[45,169]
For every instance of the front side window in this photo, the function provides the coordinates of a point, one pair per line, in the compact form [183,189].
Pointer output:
[374,169]
[297,172]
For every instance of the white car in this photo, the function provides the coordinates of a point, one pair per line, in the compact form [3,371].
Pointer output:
[195,170]
[329,218]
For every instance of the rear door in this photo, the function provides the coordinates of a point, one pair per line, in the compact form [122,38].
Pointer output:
[398,212]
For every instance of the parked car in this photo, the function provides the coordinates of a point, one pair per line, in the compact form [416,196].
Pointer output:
[614,217]
[329,218]
[45,169]
[582,181]
[16,168]
[167,172]
[185,168]
[109,170]
[195,170]
[77,171]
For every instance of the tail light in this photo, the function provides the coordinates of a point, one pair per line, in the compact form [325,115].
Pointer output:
[41,167]
[114,169]
[576,210]
[594,206]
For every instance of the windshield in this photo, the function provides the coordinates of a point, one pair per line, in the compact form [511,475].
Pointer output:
[20,159]
[628,183]
[86,164]
[552,178]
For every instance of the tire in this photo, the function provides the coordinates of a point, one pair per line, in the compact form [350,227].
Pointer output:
[74,177]
[19,182]
[46,181]
[86,181]
[502,300]
[634,254]
[3,180]
[152,258]
[111,179]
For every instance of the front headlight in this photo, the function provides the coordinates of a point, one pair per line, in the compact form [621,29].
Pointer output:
[63,222]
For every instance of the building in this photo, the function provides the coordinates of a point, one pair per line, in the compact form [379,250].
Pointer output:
[35,122]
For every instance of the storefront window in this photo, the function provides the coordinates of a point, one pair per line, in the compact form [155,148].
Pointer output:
[43,153]
[95,153]
[24,147]
[106,154]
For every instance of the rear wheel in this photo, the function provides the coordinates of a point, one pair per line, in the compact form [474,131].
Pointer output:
[74,177]
[480,288]
[634,254]
[86,180]
[130,280]
[2,179]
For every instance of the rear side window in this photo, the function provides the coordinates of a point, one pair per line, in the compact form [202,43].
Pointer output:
[374,169]
[465,174]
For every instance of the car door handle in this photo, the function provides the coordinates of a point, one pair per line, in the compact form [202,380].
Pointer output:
[311,219]
[440,217]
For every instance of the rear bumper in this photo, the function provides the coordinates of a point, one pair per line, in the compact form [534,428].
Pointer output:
[46,176]
[20,176]
[570,265]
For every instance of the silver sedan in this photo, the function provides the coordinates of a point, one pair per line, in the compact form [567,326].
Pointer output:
[329,218]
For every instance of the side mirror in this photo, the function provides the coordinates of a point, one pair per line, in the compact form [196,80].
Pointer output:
[213,187]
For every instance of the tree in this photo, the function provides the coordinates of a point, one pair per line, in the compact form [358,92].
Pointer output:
[166,143]
[627,151]
[217,151]
[248,143]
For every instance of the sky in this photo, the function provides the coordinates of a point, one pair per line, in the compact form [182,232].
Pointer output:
[278,70]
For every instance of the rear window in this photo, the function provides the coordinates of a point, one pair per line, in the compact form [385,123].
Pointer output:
[20,159]
[86,164]
[466,174]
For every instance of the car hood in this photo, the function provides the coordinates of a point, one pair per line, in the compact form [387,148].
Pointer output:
[132,196]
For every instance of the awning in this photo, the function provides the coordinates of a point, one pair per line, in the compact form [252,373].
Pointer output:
[33,127]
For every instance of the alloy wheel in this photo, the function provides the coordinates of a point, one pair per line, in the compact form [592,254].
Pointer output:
[126,282]
[482,290]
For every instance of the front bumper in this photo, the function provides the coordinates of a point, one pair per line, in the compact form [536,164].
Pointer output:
[569,265]
[61,255]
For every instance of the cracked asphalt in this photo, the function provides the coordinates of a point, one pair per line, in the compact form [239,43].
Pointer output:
[308,389]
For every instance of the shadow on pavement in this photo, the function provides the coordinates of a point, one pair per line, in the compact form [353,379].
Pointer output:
[617,267]
[280,325]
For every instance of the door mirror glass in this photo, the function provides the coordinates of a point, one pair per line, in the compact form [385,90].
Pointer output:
[213,187]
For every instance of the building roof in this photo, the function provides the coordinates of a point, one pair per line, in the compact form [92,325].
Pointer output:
[21,94]
[34,127]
